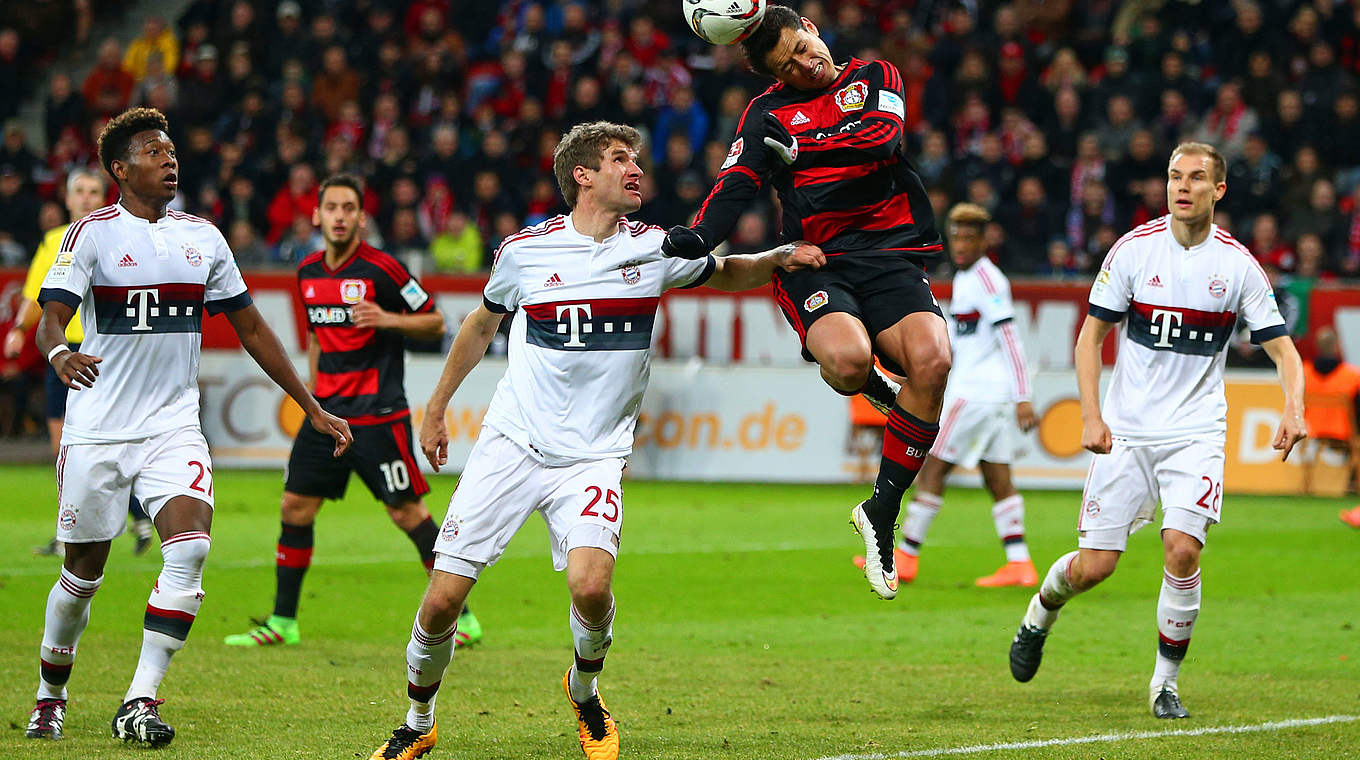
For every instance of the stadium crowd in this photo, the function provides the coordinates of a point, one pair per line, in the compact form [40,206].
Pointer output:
[1055,116]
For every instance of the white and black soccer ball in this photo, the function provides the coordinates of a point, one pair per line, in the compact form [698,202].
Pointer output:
[723,22]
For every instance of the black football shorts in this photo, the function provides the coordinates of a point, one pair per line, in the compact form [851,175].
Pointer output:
[382,455]
[878,288]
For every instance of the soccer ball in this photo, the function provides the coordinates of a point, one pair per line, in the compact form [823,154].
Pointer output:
[723,22]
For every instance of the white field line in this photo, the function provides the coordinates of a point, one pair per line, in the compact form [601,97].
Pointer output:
[977,749]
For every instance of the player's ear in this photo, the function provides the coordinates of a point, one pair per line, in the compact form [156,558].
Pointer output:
[1220,190]
[119,170]
[316,216]
[808,25]
[582,175]
[363,220]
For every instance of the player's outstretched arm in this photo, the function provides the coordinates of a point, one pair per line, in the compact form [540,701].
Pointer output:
[751,270]
[264,347]
[1289,367]
[469,346]
[74,368]
[1095,434]
[426,326]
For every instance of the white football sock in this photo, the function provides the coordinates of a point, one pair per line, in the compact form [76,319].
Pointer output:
[591,642]
[1177,608]
[921,512]
[1008,515]
[68,611]
[427,657]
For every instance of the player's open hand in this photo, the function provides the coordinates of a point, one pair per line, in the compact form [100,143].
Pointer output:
[1292,430]
[1095,436]
[1025,417]
[800,255]
[370,315]
[434,438]
[74,367]
[335,427]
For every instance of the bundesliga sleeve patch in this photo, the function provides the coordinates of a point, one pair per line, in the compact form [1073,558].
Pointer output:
[414,294]
[890,102]
[60,271]
[733,154]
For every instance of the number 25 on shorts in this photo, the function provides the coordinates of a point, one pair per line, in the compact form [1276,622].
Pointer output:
[612,507]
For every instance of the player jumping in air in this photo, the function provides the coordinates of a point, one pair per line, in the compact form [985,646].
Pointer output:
[145,276]
[986,402]
[584,290]
[361,306]
[1177,284]
[827,137]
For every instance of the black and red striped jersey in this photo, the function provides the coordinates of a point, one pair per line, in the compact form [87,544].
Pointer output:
[360,373]
[851,187]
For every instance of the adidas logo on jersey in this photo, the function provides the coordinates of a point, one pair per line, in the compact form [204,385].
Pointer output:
[127,261]
[799,119]
[553,281]
[1155,282]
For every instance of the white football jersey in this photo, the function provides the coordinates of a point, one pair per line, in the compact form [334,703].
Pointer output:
[1178,307]
[989,363]
[580,340]
[144,286]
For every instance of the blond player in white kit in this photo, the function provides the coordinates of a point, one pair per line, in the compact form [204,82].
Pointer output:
[986,406]
[584,290]
[144,275]
[1178,285]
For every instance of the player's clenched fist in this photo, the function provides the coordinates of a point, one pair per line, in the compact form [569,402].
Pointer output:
[1095,436]
[685,243]
[800,255]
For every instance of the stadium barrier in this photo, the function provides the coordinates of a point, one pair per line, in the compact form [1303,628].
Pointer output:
[731,423]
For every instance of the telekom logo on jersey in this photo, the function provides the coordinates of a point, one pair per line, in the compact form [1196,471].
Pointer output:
[143,306]
[1166,324]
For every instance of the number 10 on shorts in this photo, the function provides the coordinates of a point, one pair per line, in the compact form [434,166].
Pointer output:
[394,472]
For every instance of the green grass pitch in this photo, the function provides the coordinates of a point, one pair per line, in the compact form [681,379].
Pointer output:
[743,631]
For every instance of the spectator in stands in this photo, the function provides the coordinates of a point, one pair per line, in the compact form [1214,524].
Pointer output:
[682,115]
[288,37]
[1255,179]
[335,84]
[241,26]
[1263,83]
[295,200]
[1349,266]
[457,248]
[1268,246]
[107,87]
[1118,128]
[1226,126]
[200,90]
[19,233]
[63,107]
[300,240]
[13,73]
[156,37]
[1289,130]
[15,152]
[1059,263]
[1320,218]
[246,247]
[1030,224]
[1343,149]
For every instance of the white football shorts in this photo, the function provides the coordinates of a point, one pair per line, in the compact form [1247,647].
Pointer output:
[1124,486]
[94,480]
[503,484]
[976,431]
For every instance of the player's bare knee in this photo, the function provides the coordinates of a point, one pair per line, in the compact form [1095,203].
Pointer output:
[443,601]
[296,509]
[1180,553]
[847,369]
[930,373]
[408,514]
[1091,568]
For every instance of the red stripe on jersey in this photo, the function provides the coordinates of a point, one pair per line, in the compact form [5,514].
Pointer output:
[312,258]
[552,225]
[1143,230]
[966,316]
[361,383]
[403,439]
[1226,237]
[603,307]
[785,303]
[637,229]
[1190,317]
[703,207]
[342,337]
[166,291]
[186,217]
[884,215]
[172,614]
[986,279]
[378,419]
[68,242]
[386,263]
[326,291]
[814,175]
[1011,343]
[739,169]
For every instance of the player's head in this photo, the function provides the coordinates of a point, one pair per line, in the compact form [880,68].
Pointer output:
[967,227]
[136,150]
[84,193]
[340,210]
[1195,181]
[786,47]
[599,160]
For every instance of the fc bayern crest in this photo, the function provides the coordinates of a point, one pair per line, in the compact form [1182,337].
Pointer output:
[192,255]
[1218,287]
[852,96]
[67,519]
[632,275]
[352,291]
[452,527]
[1093,507]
